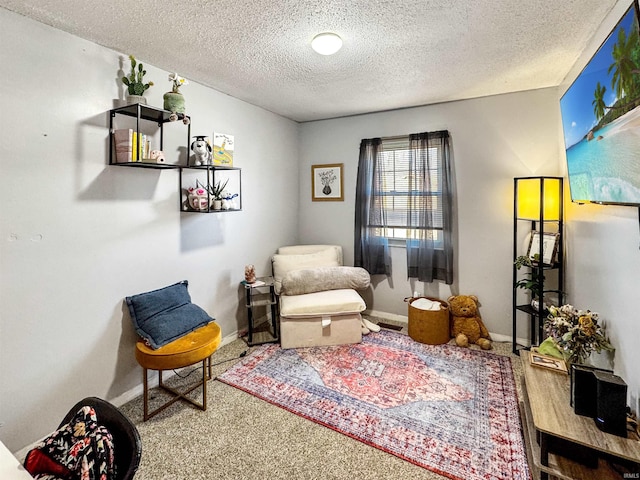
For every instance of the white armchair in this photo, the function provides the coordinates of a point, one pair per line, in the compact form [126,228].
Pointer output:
[319,304]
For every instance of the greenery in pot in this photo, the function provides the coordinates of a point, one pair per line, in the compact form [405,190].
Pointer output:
[214,190]
[532,281]
[134,82]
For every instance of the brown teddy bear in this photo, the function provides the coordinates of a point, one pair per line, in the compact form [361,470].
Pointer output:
[465,322]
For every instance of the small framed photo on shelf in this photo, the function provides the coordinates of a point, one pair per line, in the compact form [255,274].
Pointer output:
[546,361]
[549,246]
[223,149]
[327,183]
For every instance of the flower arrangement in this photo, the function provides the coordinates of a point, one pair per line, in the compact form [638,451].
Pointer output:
[327,177]
[178,81]
[576,333]
[134,82]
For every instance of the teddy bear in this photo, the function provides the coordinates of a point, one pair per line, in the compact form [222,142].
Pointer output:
[465,322]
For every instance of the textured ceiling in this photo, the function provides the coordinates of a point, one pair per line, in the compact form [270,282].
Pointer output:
[396,53]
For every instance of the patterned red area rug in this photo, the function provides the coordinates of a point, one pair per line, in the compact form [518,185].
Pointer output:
[448,409]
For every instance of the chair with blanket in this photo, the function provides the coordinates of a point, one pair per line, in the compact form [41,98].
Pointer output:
[69,450]
[319,304]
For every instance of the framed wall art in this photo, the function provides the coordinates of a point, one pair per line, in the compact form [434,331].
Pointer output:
[223,149]
[549,246]
[327,183]
[546,361]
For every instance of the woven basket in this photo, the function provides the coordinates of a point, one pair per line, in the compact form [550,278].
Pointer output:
[429,326]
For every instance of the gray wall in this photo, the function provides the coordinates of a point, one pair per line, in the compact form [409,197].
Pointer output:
[493,140]
[77,236]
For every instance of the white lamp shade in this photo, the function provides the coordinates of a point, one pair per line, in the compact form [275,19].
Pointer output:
[326,43]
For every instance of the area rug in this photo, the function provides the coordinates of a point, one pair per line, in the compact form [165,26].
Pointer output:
[451,410]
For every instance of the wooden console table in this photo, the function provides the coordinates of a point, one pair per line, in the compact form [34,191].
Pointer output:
[548,415]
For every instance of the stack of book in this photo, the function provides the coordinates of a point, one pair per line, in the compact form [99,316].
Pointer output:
[131,146]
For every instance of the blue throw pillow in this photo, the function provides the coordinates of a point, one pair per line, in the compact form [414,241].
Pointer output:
[163,315]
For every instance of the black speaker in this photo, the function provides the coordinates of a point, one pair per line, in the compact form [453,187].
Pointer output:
[583,389]
[611,403]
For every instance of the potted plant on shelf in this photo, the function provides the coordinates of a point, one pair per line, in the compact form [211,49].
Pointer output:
[135,84]
[173,100]
[215,192]
[532,279]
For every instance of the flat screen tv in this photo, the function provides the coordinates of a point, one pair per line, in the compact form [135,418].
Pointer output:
[601,120]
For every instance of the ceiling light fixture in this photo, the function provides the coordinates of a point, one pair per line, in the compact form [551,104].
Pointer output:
[326,43]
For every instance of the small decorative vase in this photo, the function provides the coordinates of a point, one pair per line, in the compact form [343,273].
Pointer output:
[173,102]
[133,99]
[217,204]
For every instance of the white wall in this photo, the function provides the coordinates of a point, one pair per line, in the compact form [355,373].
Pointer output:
[603,257]
[77,236]
[493,140]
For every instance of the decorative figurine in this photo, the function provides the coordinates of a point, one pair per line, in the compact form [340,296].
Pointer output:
[250,274]
[202,151]
[157,156]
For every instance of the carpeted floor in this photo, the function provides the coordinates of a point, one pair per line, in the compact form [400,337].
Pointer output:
[242,437]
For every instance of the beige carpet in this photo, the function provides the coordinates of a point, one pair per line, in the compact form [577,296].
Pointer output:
[242,437]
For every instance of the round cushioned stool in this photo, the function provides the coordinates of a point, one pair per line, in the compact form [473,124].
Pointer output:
[194,347]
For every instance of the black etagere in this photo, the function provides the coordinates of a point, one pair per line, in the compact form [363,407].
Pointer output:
[538,206]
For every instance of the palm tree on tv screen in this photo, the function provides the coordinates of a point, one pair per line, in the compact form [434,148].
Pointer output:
[599,106]
[623,66]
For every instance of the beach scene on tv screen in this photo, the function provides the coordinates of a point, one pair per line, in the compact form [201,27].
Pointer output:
[601,121]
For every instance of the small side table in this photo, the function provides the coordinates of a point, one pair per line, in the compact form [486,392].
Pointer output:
[261,293]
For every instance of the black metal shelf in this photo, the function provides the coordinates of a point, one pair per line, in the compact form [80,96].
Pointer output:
[147,112]
[537,317]
[161,117]
[210,167]
[160,166]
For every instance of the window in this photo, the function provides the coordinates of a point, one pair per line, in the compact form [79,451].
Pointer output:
[404,196]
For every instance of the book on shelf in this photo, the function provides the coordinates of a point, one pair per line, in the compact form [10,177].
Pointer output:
[134,146]
[131,146]
[123,145]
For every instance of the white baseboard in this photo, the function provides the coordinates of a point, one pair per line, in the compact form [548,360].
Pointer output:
[387,316]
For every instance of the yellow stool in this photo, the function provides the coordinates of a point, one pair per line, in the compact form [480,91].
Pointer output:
[197,346]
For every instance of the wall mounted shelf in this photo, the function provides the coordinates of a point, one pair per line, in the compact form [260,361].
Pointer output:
[149,123]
